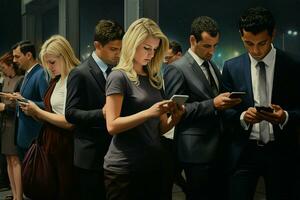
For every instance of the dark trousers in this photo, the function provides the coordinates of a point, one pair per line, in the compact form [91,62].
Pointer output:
[256,161]
[172,168]
[90,184]
[205,181]
[134,185]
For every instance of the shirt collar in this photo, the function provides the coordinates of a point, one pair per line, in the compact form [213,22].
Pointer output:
[269,59]
[99,62]
[29,70]
[196,58]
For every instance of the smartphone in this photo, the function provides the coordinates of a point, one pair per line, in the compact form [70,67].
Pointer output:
[180,99]
[264,108]
[236,94]
[23,100]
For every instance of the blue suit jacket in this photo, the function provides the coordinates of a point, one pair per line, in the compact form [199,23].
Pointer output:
[33,88]
[237,77]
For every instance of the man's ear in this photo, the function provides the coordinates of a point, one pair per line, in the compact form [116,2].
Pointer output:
[97,45]
[28,55]
[193,40]
[241,34]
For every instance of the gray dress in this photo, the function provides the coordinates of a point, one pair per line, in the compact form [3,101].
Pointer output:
[8,117]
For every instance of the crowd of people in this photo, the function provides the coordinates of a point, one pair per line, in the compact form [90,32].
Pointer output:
[110,130]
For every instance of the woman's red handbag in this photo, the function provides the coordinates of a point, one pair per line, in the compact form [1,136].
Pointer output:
[38,177]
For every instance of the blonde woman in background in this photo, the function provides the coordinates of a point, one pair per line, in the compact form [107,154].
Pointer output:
[59,58]
[133,165]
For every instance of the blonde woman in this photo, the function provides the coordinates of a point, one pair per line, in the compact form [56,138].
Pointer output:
[136,115]
[59,58]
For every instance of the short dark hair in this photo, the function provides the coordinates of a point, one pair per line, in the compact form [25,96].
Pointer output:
[257,20]
[204,24]
[175,46]
[25,47]
[108,30]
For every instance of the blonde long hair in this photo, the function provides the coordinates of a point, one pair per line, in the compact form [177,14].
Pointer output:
[57,45]
[136,34]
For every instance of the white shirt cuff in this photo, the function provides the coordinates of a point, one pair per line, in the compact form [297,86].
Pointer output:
[286,120]
[243,123]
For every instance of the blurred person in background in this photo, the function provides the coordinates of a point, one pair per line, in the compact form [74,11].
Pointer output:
[12,83]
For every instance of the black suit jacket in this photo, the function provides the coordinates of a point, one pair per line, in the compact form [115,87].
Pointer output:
[85,100]
[198,134]
[286,93]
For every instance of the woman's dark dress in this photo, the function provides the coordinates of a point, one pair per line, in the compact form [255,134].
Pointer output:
[58,144]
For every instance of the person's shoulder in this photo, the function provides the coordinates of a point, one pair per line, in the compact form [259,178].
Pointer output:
[117,74]
[80,69]
[183,61]
[237,59]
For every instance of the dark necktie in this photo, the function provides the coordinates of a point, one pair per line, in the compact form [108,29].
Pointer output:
[107,71]
[211,79]
[264,131]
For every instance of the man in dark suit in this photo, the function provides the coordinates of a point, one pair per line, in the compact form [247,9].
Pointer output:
[85,108]
[198,134]
[263,142]
[33,88]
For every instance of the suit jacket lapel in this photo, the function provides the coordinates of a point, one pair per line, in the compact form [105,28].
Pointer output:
[97,73]
[201,80]
[248,77]
[218,75]
[28,77]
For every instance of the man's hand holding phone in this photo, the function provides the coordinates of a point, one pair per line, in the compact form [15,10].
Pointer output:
[273,114]
[223,101]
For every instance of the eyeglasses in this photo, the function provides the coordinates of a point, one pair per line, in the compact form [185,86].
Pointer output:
[167,58]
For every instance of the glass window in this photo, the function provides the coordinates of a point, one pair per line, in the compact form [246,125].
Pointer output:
[90,13]
[10,23]
[176,18]
[50,23]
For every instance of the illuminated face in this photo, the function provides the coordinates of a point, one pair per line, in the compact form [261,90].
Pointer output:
[171,56]
[146,51]
[206,47]
[54,64]
[20,59]
[6,69]
[257,45]
[109,53]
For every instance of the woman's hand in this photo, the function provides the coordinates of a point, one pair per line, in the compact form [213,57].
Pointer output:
[30,108]
[159,108]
